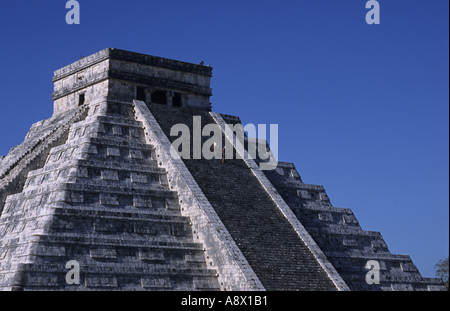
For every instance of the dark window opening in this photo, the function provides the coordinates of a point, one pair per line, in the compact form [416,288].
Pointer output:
[159,97]
[177,100]
[80,99]
[140,93]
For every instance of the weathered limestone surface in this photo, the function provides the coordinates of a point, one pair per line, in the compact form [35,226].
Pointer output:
[114,74]
[223,254]
[32,153]
[102,200]
[95,183]
[278,255]
[281,205]
[347,246]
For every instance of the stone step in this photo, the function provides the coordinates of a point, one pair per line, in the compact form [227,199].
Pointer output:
[109,141]
[123,226]
[364,256]
[161,242]
[390,277]
[79,168]
[123,121]
[320,208]
[135,215]
[341,230]
[119,276]
[85,145]
[109,126]
[125,189]
[92,196]
[138,257]
[101,178]
[157,282]
[123,269]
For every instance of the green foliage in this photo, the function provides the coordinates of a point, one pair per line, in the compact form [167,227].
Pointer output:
[442,270]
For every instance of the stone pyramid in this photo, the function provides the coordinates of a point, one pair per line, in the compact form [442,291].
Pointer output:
[96,184]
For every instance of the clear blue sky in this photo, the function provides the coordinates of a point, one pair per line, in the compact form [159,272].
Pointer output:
[362,109]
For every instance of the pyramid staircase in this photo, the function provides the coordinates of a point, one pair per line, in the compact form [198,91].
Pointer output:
[32,153]
[274,250]
[347,246]
[100,199]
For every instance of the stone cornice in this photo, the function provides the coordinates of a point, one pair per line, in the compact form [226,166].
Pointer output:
[131,57]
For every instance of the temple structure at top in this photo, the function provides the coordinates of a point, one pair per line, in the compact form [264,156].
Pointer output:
[122,76]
